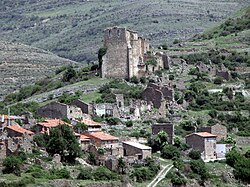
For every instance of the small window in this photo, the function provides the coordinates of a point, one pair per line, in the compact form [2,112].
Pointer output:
[70,111]
[120,103]
[109,33]
[118,33]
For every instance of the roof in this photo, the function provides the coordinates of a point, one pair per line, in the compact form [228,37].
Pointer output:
[19,129]
[203,134]
[137,145]
[84,138]
[6,117]
[53,123]
[90,122]
[100,135]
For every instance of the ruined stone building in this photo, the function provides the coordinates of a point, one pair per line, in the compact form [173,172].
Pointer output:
[219,130]
[128,55]
[59,110]
[167,127]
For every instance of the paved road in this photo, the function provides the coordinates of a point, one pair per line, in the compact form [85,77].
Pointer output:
[160,175]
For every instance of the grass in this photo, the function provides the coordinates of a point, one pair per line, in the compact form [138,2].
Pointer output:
[90,97]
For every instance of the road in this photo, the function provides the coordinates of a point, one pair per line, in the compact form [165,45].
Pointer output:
[160,175]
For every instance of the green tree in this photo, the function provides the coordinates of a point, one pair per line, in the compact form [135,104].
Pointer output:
[121,166]
[62,140]
[242,169]
[199,167]
[80,127]
[232,157]
[69,74]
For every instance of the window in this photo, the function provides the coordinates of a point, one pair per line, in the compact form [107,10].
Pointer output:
[118,33]
[109,33]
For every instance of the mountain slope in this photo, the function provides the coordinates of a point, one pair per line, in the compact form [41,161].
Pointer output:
[73,28]
[21,65]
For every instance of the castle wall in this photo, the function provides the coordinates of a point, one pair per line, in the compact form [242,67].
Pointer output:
[116,58]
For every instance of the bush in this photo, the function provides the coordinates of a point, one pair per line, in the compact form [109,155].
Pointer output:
[12,164]
[218,80]
[198,167]
[170,152]
[102,173]
[195,154]
[85,174]
[129,123]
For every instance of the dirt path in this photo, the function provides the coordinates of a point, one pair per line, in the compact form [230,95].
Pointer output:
[160,175]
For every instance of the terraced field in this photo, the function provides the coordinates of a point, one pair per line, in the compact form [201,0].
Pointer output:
[73,28]
[21,65]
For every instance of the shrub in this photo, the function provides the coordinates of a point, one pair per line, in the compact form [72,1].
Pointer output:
[12,164]
[85,174]
[218,80]
[194,154]
[102,173]
[170,152]
[198,167]
[129,123]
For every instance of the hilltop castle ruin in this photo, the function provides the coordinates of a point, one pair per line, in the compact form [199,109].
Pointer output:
[128,55]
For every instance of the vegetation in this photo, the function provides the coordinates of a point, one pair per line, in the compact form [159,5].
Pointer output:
[61,140]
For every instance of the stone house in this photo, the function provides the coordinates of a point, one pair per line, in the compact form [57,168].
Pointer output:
[17,131]
[167,127]
[85,107]
[57,110]
[136,149]
[219,130]
[102,139]
[204,142]
[126,55]
[46,125]
[92,125]
[84,142]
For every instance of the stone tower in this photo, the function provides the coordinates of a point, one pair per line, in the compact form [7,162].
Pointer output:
[125,53]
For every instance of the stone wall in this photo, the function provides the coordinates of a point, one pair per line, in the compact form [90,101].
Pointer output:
[166,127]
[85,107]
[53,110]
[219,130]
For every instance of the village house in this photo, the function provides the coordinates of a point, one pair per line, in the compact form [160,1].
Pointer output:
[84,142]
[167,127]
[46,125]
[102,139]
[55,110]
[219,130]
[92,125]
[127,55]
[137,150]
[16,131]
[204,142]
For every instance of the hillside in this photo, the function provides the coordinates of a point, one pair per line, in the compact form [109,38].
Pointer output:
[21,65]
[73,28]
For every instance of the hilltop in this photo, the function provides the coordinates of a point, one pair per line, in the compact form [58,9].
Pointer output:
[74,28]
[21,65]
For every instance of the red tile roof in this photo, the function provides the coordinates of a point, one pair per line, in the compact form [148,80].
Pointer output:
[203,134]
[52,123]
[19,129]
[84,138]
[90,122]
[100,135]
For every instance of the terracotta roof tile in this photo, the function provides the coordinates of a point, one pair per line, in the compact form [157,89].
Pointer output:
[90,122]
[52,123]
[101,136]
[19,129]
[84,138]
[203,134]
